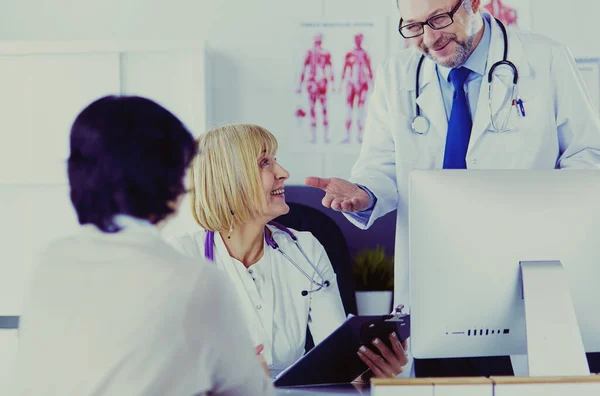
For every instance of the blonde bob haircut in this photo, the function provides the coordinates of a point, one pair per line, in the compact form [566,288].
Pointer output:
[225,176]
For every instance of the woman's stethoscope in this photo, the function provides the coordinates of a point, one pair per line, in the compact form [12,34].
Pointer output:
[209,253]
[420,123]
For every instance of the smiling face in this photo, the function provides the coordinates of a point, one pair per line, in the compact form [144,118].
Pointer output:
[450,46]
[273,177]
[235,178]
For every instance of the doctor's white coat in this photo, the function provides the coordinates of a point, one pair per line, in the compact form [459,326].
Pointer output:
[270,293]
[561,129]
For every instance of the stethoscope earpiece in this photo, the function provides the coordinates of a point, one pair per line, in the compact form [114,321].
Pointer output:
[305,292]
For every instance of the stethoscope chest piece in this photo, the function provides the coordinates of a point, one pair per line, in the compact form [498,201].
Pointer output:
[420,125]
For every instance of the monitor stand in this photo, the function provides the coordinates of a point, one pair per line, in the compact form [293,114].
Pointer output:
[554,345]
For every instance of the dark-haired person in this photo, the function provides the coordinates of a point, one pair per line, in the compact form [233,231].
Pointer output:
[114,310]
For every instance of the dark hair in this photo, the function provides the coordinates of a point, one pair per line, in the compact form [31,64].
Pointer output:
[128,156]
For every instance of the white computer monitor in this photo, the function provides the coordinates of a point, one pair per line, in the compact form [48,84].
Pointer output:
[470,234]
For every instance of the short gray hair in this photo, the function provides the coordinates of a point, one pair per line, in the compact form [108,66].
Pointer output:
[468,5]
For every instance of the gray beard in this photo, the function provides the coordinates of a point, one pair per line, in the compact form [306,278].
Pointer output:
[463,50]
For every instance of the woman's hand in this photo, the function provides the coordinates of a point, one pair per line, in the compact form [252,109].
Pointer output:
[390,363]
[262,360]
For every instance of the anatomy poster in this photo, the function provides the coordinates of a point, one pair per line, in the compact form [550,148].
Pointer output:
[334,69]
[514,13]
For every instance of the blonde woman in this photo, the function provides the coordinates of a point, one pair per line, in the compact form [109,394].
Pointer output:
[283,278]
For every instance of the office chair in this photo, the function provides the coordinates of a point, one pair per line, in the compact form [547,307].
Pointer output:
[305,218]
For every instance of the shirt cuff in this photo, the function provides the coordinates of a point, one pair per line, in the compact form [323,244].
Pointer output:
[372,199]
[365,215]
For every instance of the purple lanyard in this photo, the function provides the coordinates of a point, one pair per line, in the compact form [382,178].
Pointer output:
[209,243]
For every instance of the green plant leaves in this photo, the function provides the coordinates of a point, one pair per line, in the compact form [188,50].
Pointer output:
[373,270]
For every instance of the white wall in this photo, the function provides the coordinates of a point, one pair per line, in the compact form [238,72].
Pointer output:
[573,23]
[44,86]
[249,41]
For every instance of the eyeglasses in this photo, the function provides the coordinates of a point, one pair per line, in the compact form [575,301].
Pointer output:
[436,22]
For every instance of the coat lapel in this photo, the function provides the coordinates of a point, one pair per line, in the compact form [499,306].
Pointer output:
[501,87]
[261,333]
[430,99]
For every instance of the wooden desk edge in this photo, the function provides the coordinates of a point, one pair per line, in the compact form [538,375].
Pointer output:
[482,380]
[544,380]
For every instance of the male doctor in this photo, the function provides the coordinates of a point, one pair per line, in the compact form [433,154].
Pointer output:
[552,125]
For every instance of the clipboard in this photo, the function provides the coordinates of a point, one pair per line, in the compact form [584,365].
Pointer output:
[334,360]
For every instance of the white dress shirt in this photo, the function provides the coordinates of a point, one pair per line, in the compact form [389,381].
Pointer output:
[126,314]
[270,293]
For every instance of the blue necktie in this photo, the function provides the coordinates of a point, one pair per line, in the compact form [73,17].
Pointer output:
[459,124]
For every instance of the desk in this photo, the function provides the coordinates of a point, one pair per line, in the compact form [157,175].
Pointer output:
[349,389]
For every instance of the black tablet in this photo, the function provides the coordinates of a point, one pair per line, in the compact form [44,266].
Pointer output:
[334,360]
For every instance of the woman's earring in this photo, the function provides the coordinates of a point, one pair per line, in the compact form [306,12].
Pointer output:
[230,227]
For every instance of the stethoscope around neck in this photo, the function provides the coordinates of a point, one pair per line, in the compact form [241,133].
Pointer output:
[420,123]
[209,253]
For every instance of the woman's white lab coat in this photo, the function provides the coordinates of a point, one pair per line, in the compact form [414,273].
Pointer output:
[561,129]
[270,293]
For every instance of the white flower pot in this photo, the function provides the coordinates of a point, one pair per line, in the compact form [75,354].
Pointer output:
[374,302]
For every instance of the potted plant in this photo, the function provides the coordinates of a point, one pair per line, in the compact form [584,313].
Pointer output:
[374,275]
